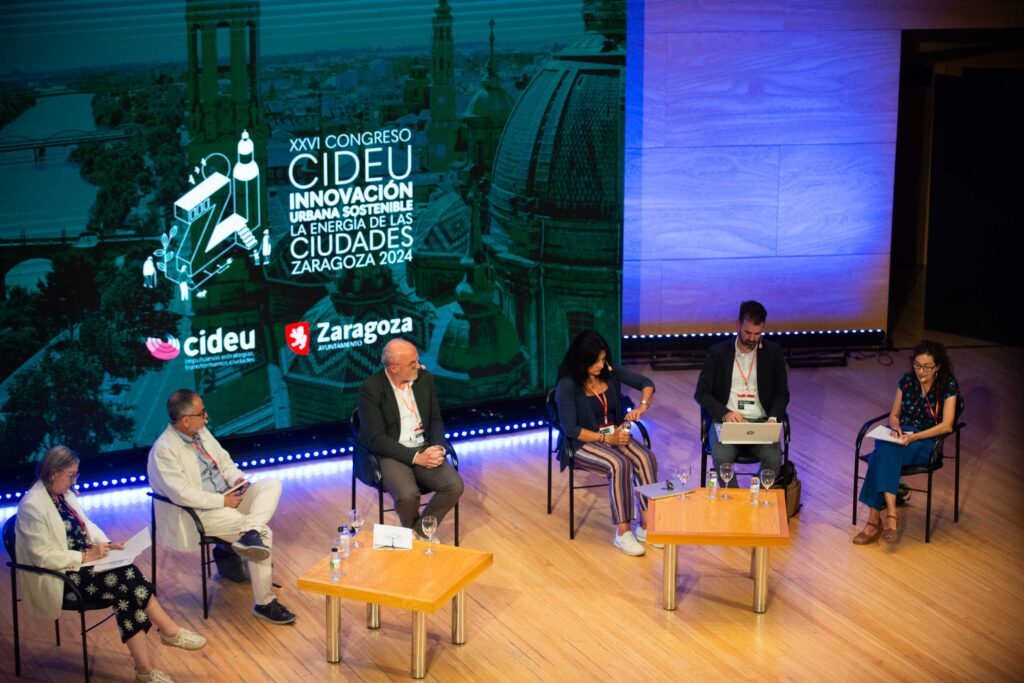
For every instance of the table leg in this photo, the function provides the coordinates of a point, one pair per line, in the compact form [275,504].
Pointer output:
[459,618]
[752,554]
[372,615]
[760,579]
[669,577]
[333,633]
[419,644]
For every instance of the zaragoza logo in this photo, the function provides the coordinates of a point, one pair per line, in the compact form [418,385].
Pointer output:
[297,336]
[214,222]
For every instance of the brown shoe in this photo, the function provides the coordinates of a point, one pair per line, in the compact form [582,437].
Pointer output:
[864,537]
[892,536]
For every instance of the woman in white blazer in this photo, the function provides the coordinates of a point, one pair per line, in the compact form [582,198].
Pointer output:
[53,532]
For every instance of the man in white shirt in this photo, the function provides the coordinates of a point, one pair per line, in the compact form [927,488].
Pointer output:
[189,466]
[400,422]
[744,380]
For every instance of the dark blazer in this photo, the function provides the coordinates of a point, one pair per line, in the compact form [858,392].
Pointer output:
[380,423]
[715,379]
[575,414]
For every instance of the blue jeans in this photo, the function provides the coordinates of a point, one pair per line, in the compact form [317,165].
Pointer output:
[768,454]
[884,466]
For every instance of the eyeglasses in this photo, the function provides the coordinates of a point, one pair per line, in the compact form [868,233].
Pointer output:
[412,365]
[201,413]
[927,368]
[73,476]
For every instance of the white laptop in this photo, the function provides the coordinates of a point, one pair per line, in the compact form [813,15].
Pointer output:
[749,432]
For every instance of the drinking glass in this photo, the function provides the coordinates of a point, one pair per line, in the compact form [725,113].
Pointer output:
[356,518]
[767,479]
[429,524]
[725,471]
[683,475]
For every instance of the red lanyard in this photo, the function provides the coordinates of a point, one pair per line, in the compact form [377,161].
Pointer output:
[746,377]
[934,412]
[81,522]
[603,400]
[198,445]
[409,401]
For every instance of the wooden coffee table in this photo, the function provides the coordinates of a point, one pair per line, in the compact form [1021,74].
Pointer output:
[399,578]
[698,520]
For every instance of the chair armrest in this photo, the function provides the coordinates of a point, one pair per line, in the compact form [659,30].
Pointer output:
[450,452]
[643,434]
[33,569]
[190,511]
[864,430]
[786,429]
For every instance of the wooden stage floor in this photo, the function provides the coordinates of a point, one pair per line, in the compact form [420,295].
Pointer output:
[552,609]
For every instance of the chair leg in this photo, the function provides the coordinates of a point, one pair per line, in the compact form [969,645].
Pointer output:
[572,502]
[204,568]
[456,524]
[85,647]
[956,482]
[703,467]
[856,475]
[353,484]
[380,502]
[550,465]
[928,511]
[152,541]
[14,615]
[56,631]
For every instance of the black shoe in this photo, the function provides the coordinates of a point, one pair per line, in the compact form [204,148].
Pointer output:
[229,565]
[250,546]
[903,494]
[274,612]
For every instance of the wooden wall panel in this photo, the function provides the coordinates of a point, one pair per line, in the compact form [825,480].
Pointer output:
[756,88]
[833,199]
[902,14]
[681,16]
[706,202]
[707,292]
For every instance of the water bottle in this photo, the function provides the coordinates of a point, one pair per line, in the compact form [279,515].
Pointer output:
[344,540]
[755,490]
[335,565]
[712,483]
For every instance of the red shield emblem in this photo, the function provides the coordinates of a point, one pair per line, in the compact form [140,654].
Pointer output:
[297,337]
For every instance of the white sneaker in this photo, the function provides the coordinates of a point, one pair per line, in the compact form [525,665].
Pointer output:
[627,543]
[185,639]
[154,676]
[641,535]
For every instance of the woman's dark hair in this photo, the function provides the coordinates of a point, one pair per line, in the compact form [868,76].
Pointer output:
[582,353]
[938,352]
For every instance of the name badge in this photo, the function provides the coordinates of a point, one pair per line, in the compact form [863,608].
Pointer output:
[746,403]
[607,428]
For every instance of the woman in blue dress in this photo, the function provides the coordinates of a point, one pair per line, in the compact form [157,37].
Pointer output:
[924,409]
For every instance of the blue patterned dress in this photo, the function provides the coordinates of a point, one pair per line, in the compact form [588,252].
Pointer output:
[888,459]
[125,588]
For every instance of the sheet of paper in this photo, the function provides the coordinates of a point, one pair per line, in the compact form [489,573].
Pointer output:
[387,537]
[883,433]
[120,558]
[660,489]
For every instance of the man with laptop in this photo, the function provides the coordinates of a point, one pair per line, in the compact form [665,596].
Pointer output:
[743,385]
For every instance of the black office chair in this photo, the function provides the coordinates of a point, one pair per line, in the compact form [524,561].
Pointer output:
[378,477]
[929,468]
[565,454]
[83,605]
[743,457]
[205,542]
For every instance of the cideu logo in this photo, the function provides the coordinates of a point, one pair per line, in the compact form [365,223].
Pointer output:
[212,344]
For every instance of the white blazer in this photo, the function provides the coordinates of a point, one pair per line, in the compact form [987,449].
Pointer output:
[42,540]
[174,472]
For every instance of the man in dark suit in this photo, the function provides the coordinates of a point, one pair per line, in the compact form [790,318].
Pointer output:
[400,422]
[744,380]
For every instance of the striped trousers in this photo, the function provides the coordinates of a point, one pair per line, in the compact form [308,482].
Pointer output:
[624,467]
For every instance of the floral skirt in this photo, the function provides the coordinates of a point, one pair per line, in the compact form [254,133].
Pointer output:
[125,589]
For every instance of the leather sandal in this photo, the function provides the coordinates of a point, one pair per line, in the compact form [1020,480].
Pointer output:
[864,538]
[892,535]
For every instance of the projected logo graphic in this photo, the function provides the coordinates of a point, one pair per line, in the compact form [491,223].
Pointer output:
[215,222]
[163,350]
[297,337]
